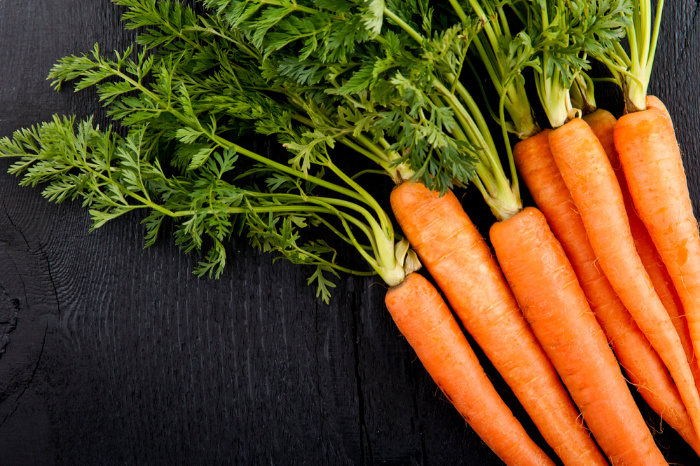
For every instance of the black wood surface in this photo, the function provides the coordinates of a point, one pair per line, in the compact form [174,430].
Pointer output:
[114,354]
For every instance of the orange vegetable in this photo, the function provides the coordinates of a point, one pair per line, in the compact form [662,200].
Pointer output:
[557,309]
[655,102]
[603,123]
[641,362]
[461,263]
[653,168]
[429,327]
[585,168]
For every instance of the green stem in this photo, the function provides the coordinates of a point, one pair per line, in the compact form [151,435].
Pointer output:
[459,11]
[480,135]
[502,197]
[144,201]
[514,184]
[402,24]
[475,112]
[294,6]
[654,39]
[399,172]
[339,233]
[643,38]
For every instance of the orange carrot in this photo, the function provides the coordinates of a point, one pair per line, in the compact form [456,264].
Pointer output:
[603,123]
[655,102]
[429,327]
[461,263]
[653,168]
[641,362]
[566,328]
[586,170]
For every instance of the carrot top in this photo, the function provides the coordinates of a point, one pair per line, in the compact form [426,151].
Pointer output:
[552,38]
[632,71]
[183,108]
[591,29]
[387,77]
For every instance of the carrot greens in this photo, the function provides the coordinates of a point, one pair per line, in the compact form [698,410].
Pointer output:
[632,71]
[397,86]
[587,29]
[180,158]
[382,79]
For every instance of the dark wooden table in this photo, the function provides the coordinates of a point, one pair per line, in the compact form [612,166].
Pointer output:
[111,354]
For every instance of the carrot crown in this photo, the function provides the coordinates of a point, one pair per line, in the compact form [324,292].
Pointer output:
[503,56]
[583,93]
[632,71]
[554,39]
[580,30]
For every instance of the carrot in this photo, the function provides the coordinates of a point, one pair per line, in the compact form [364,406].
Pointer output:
[641,362]
[566,328]
[459,260]
[424,319]
[655,102]
[653,168]
[603,123]
[589,176]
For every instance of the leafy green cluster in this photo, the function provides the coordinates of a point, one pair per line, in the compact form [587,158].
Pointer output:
[632,70]
[362,69]
[382,77]
[182,107]
[555,39]
[568,34]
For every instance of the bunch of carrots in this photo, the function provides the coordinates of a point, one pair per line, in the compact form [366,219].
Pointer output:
[573,281]
[603,276]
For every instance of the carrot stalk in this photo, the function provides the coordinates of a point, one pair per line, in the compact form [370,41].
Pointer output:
[653,168]
[461,263]
[587,172]
[644,368]
[424,319]
[603,123]
[566,328]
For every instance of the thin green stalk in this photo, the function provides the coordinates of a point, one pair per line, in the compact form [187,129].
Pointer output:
[488,59]
[481,139]
[477,116]
[146,202]
[483,167]
[503,197]
[459,11]
[514,183]
[340,234]
[368,172]
[293,5]
[402,24]
[654,40]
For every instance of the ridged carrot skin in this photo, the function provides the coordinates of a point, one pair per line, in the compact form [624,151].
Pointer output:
[655,102]
[644,368]
[653,167]
[603,124]
[587,172]
[424,319]
[461,263]
[546,287]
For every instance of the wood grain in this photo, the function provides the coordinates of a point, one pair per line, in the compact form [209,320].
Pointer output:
[120,355]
